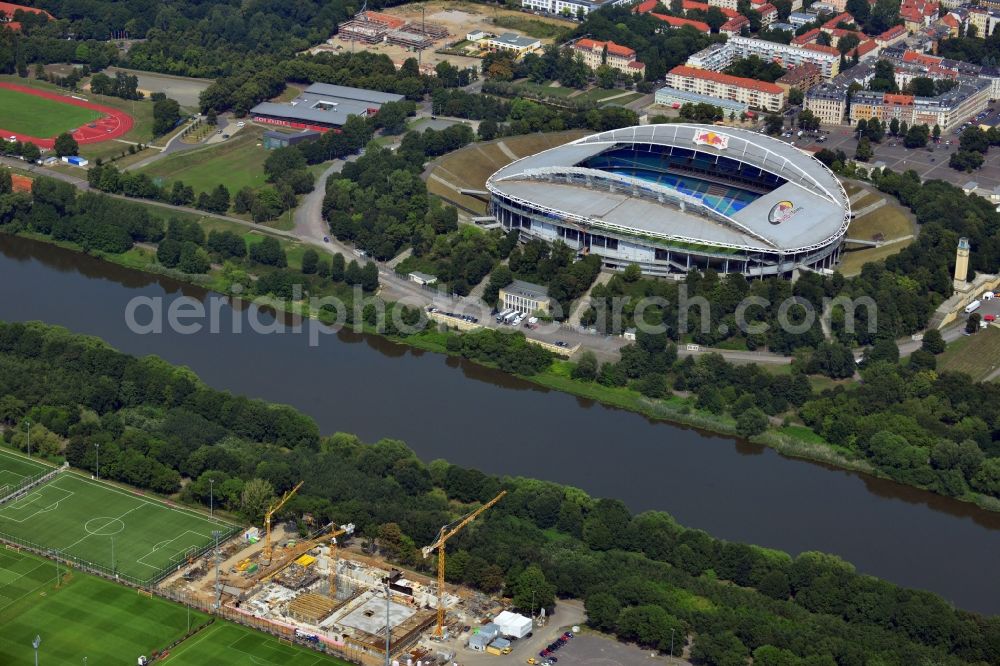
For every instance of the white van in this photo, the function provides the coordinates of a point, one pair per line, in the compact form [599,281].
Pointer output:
[988,296]
[973,306]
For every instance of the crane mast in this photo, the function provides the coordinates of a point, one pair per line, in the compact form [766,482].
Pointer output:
[447,532]
[275,506]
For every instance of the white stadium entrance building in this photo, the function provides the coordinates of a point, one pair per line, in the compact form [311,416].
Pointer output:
[675,198]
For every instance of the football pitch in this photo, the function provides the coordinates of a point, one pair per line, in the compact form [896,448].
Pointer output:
[225,644]
[84,617]
[15,470]
[37,116]
[120,531]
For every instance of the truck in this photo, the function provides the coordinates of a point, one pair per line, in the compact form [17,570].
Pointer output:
[511,317]
[490,649]
[501,316]
[973,306]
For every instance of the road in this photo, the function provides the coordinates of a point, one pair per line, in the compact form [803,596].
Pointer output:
[310,228]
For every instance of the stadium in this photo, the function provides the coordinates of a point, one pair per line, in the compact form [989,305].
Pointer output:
[673,198]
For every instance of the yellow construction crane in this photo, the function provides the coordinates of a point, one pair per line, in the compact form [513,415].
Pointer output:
[447,532]
[271,510]
[347,529]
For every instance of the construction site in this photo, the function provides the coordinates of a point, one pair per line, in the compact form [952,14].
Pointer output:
[328,591]
[372,28]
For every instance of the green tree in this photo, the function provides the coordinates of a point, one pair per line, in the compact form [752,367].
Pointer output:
[166,115]
[30,152]
[255,499]
[310,258]
[532,592]
[751,422]
[933,342]
[586,367]
[65,144]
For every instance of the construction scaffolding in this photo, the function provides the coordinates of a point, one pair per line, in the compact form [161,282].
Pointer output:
[410,38]
[360,30]
[435,31]
[311,608]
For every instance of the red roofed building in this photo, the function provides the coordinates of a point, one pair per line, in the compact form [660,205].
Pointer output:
[595,54]
[951,22]
[734,26]
[645,7]
[819,48]
[688,5]
[8,9]
[675,22]
[837,20]
[758,94]
[894,34]
[806,37]
[921,58]
[768,13]
[918,14]
[866,48]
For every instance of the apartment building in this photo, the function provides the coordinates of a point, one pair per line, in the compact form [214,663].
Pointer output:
[596,53]
[753,93]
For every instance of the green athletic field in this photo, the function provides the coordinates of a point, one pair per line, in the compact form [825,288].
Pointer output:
[39,117]
[117,530]
[15,470]
[84,617]
[225,644]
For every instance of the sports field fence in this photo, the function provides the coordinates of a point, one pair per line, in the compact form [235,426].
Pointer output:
[175,563]
[14,492]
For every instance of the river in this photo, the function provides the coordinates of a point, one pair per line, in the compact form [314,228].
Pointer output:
[447,408]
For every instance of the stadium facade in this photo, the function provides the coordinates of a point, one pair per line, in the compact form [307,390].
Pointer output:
[675,198]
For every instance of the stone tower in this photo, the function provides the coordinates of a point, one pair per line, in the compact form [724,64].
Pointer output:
[962,265]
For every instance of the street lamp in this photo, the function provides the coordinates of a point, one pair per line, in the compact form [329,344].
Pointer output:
[28,421]
[211,498]
[35,643]
[98,448]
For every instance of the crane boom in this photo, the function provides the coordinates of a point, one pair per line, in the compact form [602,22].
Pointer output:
[270,512]
[447,532]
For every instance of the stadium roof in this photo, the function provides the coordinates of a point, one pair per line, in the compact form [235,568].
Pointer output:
[812,205]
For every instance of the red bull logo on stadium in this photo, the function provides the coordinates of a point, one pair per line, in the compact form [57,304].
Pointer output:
[782,211]
[710,138]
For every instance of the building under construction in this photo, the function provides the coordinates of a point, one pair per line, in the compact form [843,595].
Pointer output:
[369,27]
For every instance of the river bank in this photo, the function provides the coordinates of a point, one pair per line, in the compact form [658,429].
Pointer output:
[791,440]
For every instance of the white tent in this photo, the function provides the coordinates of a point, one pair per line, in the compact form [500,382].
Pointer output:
[513,624]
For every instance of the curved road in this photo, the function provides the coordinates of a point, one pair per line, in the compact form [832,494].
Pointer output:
[311,228]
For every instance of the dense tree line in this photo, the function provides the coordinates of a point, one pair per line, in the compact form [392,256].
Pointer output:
[380,202]
[642,576]
[459,260]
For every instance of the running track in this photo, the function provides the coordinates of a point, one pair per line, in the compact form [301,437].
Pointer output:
[111,125]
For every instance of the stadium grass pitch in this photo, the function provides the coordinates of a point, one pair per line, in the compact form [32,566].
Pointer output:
[225,644]
[38,116]
[85,616]
[15,470]
[119,531]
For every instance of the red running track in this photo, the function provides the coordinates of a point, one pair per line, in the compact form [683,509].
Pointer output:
[111,125]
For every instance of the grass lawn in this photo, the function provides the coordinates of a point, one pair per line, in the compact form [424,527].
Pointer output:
[40,117]
[545,89]
[236,163]
[225,644]
[141,112]
[84,617]
[889,220]
[976,355]
[851,262]
[16,469]
[134,535]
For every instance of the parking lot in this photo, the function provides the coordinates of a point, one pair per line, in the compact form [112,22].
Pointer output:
[930,162]
[593,650]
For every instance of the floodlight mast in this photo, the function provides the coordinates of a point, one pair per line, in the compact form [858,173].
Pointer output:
[35,643]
